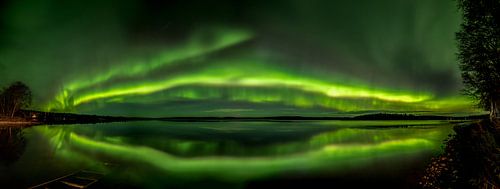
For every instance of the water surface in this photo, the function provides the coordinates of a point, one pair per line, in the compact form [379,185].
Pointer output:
[158,154]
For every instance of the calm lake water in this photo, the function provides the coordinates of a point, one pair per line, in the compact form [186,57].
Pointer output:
[158,154]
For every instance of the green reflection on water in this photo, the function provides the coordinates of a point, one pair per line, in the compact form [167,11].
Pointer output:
[231,168]
[317,147]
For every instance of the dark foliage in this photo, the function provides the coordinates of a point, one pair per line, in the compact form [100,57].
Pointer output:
[471,159]
[479,52]
[14,98]
[69,118]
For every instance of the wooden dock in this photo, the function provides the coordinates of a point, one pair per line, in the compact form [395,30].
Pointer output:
[79,179]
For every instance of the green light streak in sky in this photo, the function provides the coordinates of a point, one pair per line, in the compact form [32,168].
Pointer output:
[138,78]
[220,39]
[197,46]
[103,54]
[250,74]
[331,90]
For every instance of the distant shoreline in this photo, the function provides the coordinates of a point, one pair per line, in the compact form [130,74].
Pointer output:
[26,118]
[18,123]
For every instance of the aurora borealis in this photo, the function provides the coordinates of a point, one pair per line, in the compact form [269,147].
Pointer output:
[200,58]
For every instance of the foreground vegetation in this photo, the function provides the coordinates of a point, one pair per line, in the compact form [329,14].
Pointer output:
[472,156]
[478,50]
[471,159]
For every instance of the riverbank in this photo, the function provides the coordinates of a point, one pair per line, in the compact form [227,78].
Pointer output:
[16,122]
[32,117]
[471,159]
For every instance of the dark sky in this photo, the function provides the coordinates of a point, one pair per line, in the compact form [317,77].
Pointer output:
[187,57]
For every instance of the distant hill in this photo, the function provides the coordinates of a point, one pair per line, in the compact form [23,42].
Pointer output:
[386,116]
[376,116]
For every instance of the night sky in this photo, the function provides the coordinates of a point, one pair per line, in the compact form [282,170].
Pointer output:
[234,58]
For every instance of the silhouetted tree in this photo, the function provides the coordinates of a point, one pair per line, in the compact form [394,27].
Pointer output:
[479,52]
[15,97]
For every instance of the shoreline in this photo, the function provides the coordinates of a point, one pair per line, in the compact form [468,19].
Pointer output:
[4,123]
[26,118]
[470,160]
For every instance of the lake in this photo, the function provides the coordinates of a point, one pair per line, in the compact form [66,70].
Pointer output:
[155,154]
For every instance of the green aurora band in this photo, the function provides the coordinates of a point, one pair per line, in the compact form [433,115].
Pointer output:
[104,58]
[246,78]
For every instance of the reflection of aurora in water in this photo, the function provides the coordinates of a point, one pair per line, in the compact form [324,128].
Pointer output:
[334,150]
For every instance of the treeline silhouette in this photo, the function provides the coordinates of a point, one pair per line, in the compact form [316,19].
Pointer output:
[70,118]
[387,116]
[376,116]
